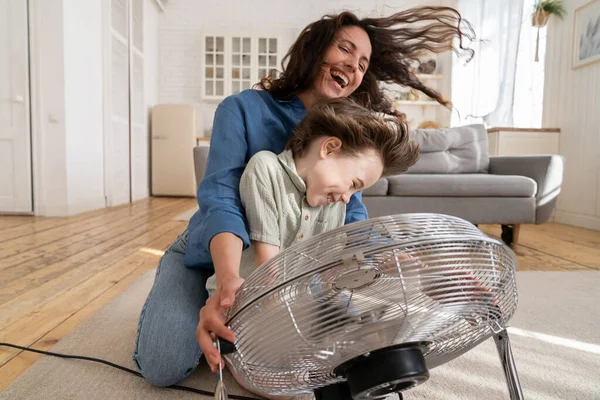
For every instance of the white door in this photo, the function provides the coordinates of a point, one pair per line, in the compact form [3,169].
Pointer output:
[15,138]
[117,177]
[140,183]
[126,135]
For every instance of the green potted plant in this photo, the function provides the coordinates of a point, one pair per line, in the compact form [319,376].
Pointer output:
[542,11]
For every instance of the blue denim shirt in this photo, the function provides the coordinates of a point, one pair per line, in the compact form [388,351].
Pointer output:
[244,124]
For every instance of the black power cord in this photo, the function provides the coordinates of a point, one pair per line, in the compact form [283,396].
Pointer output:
[176,387]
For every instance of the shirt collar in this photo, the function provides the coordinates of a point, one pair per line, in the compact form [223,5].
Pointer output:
[294,101]
[286,159]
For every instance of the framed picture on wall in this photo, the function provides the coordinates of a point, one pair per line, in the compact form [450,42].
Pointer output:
[586,34]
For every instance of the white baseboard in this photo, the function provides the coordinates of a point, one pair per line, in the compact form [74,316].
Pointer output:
[68,210]
[581,220]
[84,205]
[53,210]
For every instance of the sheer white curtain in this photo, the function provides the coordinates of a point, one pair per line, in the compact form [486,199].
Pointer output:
[529,88]
[483,90]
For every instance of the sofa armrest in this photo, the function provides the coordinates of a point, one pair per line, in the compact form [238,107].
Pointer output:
[545,170]
[200,159]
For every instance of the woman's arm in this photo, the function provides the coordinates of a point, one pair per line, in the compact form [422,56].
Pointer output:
[355,209]
[226,249]
[217,234]
[218,195]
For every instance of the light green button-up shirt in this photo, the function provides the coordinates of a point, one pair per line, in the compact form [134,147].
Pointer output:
[274,199]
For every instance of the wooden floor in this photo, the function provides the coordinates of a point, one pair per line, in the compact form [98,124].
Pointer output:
[56,272]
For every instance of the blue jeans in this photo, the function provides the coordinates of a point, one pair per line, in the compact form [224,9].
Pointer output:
[166,350]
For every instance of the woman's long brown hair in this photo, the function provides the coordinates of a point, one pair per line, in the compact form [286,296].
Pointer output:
[397,41]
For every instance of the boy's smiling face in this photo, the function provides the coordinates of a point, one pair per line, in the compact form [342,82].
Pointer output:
[335,176]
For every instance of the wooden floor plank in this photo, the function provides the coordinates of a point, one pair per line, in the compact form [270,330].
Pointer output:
[579,247]
[41,224]
[20,279]
[40,256]
[38,321]
[533,260]
[16,366]
[17,307]
[21,244]
[12,221]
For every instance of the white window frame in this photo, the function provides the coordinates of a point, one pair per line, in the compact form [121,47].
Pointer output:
[227,65]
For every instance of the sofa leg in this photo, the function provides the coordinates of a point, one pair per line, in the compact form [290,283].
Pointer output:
[516,232]
[510,234]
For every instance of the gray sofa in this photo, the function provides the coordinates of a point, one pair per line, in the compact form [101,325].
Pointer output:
[455,176]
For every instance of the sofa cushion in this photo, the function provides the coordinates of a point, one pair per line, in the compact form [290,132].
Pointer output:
[459,150]
[462,185]
[380,188]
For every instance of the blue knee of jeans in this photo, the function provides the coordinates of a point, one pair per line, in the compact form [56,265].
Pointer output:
[166,369]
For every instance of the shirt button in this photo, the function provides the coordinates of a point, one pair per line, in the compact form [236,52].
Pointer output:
[301,236]
[306,218]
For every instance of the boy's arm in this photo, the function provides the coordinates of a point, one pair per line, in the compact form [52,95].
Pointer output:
[263,252]
[262,214]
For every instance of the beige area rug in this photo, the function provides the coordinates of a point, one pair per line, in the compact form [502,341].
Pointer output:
[555,336]
[186,215]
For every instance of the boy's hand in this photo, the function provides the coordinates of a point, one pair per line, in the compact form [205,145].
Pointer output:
[212,319]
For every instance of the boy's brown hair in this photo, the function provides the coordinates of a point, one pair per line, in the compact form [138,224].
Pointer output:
[358,129]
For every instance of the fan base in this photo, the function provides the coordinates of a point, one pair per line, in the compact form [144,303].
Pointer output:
[385,371]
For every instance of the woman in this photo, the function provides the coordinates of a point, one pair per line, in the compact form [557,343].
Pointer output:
[337,56]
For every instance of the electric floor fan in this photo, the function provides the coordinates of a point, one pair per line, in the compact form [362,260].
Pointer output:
[372,307]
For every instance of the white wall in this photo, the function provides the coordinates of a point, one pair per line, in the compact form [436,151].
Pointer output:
[185,21]
[83,104]
[572,103]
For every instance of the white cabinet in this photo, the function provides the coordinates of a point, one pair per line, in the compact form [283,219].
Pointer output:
[233,63]
[522,141]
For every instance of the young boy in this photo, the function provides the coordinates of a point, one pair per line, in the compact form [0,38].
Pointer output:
[338,149]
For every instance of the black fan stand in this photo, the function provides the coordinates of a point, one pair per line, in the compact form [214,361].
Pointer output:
[378,374]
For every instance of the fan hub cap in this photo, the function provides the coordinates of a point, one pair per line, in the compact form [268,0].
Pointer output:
[356,279]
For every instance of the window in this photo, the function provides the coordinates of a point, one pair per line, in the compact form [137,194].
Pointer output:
[214,70]
[503,85]
[529,80]
[233,63]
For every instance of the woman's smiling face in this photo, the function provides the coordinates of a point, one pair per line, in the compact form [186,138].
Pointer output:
[344,64]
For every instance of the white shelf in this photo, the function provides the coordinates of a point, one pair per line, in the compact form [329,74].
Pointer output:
[430,76]
[417,102]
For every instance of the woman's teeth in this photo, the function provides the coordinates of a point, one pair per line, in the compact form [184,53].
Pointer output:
[340,78]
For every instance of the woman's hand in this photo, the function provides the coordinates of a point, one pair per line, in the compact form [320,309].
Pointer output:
[212,319]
